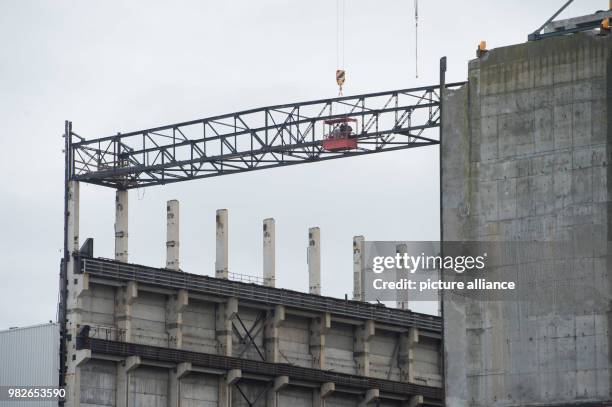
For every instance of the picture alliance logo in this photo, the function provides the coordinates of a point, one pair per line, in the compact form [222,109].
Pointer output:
[423,262]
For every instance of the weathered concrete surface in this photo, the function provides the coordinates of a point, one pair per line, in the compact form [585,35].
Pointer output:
[269,252]
[222,247]
[525,158]
[179,319]
[172,235]
[314,261]
[121,225]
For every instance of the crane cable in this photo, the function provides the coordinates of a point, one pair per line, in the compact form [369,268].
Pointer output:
[416,38]
[340,26]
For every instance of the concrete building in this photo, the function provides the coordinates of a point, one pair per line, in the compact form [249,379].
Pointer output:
[140,335]
[526,157]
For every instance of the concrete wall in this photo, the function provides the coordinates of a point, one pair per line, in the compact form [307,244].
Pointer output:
[248,317]
[98,383]
[251,390]
[148,386]
[149,319]
[295,397]
[98,306]
[346,401]
[199,327]
[339,345]
[427,361]
[525,158]
[199,390]
[384,357]
[167,318]
[294,343]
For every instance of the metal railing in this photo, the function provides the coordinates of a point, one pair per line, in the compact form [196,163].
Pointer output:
[246,278]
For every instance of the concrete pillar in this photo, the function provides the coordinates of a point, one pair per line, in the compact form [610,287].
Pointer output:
[226,312]
[280,383]
[121,225]
[82,356]
[402,295]
[225,384]
[73,216]
[172,235]
[370,396]
[358,268]
[123,396]
[314,261]
[174,383]
[318,328]
[175,305]
[274,321]
[415,401]
[73,310]
[361,347]
[319,395]
[408,340]
[126,295]
[221,258]
[73,314]
[269,252]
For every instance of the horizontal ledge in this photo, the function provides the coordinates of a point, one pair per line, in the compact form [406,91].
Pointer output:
[226,363]
[118,271]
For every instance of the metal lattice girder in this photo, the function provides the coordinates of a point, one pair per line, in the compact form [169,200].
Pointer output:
[255,139]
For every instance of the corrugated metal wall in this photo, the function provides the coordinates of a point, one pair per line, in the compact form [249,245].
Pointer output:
[29,356]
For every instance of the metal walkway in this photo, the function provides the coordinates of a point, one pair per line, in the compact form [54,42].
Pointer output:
[159,277]
[260,368]
[267,137]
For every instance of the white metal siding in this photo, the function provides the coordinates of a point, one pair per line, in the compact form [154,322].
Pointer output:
[30,357]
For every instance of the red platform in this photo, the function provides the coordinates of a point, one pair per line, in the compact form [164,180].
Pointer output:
[339,144]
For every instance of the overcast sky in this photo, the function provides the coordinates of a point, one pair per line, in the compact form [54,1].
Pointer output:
[113,66]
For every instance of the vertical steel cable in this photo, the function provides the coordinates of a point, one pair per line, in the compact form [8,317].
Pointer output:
[416,38]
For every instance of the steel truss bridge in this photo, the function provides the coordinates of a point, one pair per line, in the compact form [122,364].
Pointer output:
[256,139]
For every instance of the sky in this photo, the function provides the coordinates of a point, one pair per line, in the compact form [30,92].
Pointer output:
[111,66]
